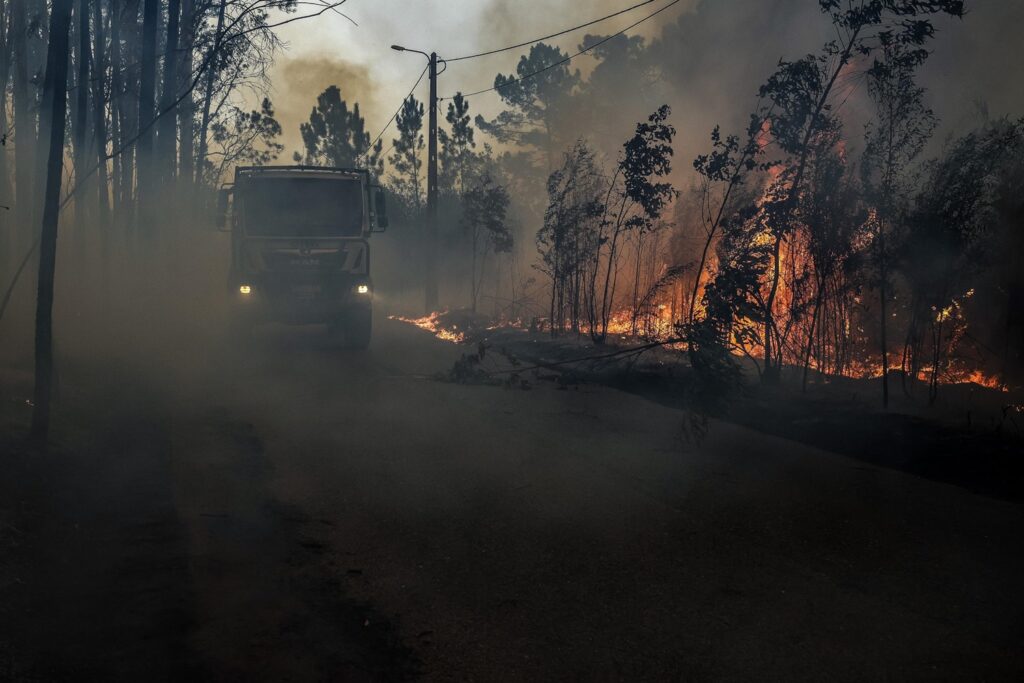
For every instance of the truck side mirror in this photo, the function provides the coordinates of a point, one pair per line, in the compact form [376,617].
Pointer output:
[223,198]
[380,209]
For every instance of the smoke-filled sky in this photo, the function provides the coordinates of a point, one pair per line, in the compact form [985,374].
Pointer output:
[713,55]
[331,50]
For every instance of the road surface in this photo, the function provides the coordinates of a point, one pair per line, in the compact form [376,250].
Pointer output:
[288,511]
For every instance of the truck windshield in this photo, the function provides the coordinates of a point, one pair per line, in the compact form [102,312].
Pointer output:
[303,207]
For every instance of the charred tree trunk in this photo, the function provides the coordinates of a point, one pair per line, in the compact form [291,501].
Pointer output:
[54,112]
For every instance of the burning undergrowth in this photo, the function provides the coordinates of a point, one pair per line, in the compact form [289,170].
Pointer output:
[659,342]
[455,326]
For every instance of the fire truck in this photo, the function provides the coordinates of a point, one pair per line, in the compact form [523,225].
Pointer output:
[300,249]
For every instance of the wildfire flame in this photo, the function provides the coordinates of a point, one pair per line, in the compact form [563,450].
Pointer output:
[432,323]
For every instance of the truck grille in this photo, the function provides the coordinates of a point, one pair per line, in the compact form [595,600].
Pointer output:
[349,258]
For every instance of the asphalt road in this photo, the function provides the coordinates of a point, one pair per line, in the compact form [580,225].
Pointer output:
[289,511]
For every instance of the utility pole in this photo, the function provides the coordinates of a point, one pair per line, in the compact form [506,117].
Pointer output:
[430,243]
[430,285]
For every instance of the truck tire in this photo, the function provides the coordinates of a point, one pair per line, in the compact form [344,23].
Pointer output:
[359,328]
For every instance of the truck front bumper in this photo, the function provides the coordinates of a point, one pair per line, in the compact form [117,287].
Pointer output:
[299,303]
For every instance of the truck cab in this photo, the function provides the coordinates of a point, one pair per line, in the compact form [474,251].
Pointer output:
[300,250]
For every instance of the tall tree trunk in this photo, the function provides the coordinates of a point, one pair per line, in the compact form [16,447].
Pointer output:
[81,110]
[103,226]
[117,112]
[100,115]
[147,185]
[167,147]
[211,70]
[24,126]
[772,373]
[818,299]
[883,341]
[633,323]
[186,110]
[125,80]
[54,111]
[6,232]
[472,279]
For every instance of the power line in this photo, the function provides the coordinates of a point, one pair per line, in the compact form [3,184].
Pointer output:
[395,115]
[570,57]
[553,35]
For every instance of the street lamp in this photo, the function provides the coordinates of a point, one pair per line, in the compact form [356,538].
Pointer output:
[430,252]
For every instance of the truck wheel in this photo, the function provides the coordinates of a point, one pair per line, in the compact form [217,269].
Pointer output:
[359,328]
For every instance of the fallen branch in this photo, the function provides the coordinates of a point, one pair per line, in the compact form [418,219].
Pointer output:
[621,352]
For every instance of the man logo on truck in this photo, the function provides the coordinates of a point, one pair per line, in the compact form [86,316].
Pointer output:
[300,250]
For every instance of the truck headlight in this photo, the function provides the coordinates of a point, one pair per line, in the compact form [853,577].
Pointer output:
[363,289]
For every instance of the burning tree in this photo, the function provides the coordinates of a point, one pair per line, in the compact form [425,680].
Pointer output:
[950,239]
[797,116]
[590,219]
[897,137]
[833,225]
[635,200]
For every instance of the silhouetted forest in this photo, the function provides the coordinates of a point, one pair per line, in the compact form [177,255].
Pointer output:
[804,245]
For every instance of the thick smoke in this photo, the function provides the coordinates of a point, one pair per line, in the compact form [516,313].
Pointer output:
[301,79]
[710,58]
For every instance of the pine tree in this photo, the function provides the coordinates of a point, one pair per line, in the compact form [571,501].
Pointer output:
[336,135]
[406,160]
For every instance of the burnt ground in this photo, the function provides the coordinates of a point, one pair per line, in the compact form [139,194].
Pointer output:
[292,512]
